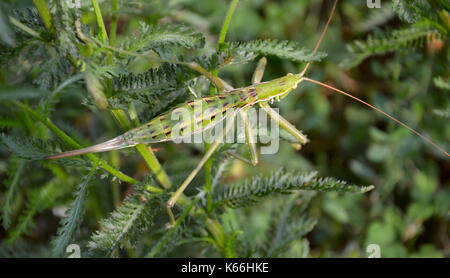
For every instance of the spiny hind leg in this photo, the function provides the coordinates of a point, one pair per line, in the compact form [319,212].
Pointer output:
[218,141]
[285,124]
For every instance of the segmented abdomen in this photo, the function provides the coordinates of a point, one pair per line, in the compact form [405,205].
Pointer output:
[187,119]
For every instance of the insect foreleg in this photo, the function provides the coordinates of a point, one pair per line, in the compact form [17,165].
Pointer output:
[218,141]
[284,123]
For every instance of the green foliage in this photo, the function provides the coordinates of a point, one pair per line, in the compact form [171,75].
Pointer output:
[382,43]
[283,49]
[157,88]
[16,93]
[130,219]
[171,238]
[411,11]
[5,31]
[25,147]
[43,198]
[292,224]
[81,77]
[75,211]
[441,83]
[152,37]
[250,191]
[166,243]
[426,25]
[15,171]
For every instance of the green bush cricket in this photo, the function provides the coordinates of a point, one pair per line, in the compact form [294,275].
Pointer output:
[213,108]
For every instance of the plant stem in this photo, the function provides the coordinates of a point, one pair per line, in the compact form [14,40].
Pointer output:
[209,163]
[224,30]
[98,14]
[112,32]
[44,11]
[226,23]
[154,165]
[113,26]
[24,28]
[115,162]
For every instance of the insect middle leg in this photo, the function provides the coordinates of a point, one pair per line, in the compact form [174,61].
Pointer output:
[249,136]
[218,141]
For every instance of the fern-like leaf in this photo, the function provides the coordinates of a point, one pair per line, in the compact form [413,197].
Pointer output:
[245,51]
[397,40]
[151,37]
[70,223]
[289,225]
[25,147]
[251,190]
[160,87]
[40,199]
[294,230]
[133,217]
[15,171]
[167,242]
[167,75]
[412,10]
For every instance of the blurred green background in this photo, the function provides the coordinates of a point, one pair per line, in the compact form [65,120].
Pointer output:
[406,214]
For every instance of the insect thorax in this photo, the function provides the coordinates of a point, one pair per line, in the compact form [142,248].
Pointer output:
[279,87]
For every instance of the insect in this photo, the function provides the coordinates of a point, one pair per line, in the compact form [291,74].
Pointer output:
[162,128]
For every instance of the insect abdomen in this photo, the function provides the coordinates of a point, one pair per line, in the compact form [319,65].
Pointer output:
[186,119]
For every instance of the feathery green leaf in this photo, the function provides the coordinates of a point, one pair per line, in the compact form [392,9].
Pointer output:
[382,43]
[75,211]
[128,221]
[282,49]
[251,190]
[151,37]
[15,171]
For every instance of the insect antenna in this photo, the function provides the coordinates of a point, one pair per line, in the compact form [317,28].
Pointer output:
[379,111]
[321,36]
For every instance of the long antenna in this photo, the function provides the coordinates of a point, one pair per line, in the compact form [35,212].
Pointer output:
[380,111]
[321,36]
